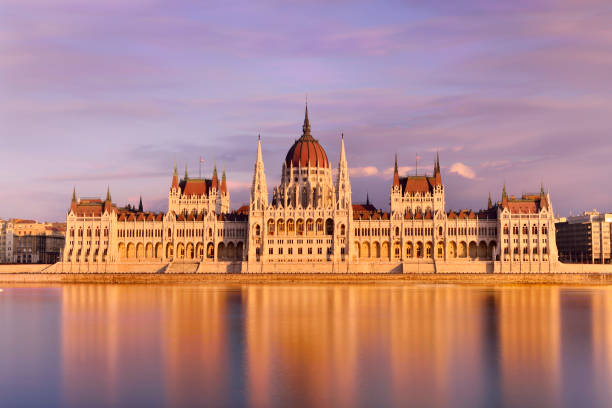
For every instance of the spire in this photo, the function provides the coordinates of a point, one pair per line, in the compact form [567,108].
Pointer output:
[437,174]
[140,204]
[215,178]
[367,198]
[542,192]
[175,177]
[73,203]
[343,183]
[259,188]
[306,126]
[504,196]
[395,173]
[108,195]
[186,177]
[223,181]
[259,157]
[490,203]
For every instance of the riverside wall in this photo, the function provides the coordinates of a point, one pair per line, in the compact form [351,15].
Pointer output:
[462,267]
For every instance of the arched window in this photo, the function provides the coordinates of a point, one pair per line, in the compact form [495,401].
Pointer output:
[506,231]
[525,229]
[270,227]
[309,225]
[544,229]
[299,227]
[280,226]
[169,232]
[525,250]
[319,226]
[329,227]
[545,250]
[534,229]
[257,230]
[290,226]
[397,231]
[342,230]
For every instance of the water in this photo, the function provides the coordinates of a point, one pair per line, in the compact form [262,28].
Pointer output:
[306,345]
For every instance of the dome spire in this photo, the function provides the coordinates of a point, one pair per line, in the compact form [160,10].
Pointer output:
[306,126]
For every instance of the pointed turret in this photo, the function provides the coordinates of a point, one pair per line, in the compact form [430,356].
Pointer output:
[223,181]
[73,202]
[259,188]
[186,176]
[437,174]
[306,126]
[395,174]
[108,203]
[175,178]
[504,196]
[543,197]
[367,198]
[490,203]
[215,178]
[140,209]
[343,182]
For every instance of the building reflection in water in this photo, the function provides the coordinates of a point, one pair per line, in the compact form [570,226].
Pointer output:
[325,345]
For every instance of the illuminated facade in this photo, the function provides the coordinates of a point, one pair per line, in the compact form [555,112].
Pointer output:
[311,224]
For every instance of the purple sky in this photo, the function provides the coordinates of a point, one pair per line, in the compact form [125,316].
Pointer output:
[108,93]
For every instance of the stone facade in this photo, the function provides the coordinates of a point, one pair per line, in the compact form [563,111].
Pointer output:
[311,225]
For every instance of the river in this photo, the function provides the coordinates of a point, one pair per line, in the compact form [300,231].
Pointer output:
[293,345]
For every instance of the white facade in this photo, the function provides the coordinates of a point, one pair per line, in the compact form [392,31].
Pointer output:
[310,220]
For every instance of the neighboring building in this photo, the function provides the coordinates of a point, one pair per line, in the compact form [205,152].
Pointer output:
[311,219]
[44,249]
[585,238]
[31,227]
[6,241]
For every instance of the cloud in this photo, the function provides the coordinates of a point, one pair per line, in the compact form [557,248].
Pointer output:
[462,170]
[366,171]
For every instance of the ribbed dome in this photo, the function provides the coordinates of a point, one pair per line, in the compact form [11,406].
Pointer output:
[306,151]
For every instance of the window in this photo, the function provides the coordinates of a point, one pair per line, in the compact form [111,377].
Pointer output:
[299,251]
[320,251]
[271,251]
[309,251]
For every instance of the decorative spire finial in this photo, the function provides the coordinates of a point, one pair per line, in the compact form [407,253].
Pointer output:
[186,171]
[175,171]
[140,205]
[74,193]
[306,126]
[108,195]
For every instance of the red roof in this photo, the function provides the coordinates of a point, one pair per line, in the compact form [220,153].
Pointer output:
[418,184]
[196,187]
[306,151]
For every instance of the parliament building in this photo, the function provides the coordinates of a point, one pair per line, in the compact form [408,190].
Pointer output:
[310,224]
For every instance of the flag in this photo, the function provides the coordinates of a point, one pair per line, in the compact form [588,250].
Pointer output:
[201,159]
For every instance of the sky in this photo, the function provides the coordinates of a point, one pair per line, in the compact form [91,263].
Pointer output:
[97,94]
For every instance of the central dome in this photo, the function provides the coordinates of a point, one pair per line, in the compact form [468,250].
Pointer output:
[306,151]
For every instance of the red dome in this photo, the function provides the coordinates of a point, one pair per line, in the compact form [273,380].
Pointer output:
[306,151]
